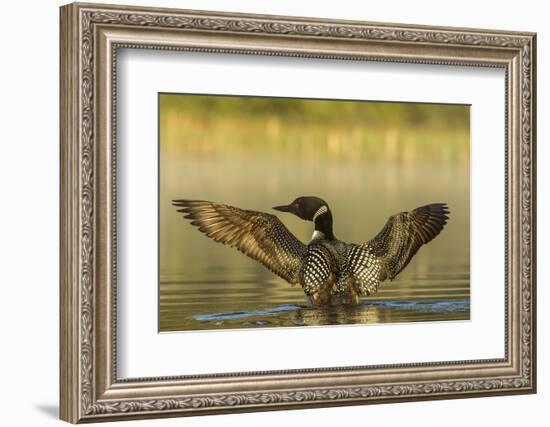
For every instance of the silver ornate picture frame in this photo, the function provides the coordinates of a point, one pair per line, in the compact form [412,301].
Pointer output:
[90,388]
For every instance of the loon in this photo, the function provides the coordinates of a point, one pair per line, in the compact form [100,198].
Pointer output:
[330,271]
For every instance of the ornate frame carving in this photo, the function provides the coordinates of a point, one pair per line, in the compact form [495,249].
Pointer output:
[90,36]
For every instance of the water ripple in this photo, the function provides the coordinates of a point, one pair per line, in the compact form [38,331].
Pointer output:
[455,306]
[436,306]
[252,313]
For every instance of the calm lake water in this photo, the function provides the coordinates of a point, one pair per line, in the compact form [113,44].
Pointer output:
[205,285]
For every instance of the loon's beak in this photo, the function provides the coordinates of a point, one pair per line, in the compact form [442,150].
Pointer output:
[283,208]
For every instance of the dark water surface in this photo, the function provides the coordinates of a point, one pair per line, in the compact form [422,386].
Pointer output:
[252,303]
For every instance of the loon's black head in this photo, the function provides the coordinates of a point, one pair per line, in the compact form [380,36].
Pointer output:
[306,207]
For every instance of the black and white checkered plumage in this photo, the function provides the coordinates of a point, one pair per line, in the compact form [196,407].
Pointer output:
[330,271]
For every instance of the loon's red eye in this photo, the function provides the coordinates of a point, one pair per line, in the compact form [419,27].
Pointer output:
[296,205]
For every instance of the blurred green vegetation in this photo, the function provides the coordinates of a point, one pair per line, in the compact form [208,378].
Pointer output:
[342,130]
[315,111]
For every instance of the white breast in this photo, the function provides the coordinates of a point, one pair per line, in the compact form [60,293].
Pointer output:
[317,235]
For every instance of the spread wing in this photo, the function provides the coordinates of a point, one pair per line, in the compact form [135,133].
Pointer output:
[393,247]
[259,235]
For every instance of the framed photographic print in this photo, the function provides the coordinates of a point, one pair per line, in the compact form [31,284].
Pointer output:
[263,212]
